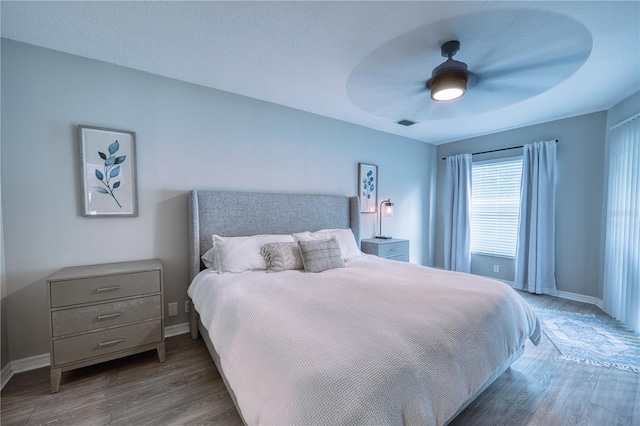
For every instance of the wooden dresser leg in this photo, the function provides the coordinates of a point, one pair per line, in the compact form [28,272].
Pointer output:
[160,349]
[56,376]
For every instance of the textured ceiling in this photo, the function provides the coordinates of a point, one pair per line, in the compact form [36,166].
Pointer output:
[364,62]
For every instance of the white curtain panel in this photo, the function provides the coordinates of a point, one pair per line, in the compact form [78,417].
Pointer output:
[535,250]
[621,290]
[457,217]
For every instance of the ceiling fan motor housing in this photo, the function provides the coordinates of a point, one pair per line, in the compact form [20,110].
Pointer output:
[448,67]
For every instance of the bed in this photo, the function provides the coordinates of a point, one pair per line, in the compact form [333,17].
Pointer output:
[373,342]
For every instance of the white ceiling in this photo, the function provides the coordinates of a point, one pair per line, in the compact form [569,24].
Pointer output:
[364,62]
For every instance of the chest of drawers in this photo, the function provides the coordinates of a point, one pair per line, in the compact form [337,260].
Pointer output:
[388,249]
[102,312]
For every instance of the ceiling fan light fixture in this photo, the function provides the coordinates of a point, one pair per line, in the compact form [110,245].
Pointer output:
[449,80]
[448,87]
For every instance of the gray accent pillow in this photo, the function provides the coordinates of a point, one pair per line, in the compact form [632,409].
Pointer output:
[320,255]
[282,256]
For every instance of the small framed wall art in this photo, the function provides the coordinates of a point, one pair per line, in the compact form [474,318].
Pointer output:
[368,187]
[108,172]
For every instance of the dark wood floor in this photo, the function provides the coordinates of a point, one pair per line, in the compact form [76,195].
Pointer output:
[539,389]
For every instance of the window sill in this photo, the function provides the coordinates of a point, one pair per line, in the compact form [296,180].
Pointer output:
[501,256]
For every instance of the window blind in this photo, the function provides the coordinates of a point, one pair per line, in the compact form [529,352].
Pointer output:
[495,205]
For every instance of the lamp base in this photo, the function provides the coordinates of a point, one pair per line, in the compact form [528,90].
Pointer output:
[384,237]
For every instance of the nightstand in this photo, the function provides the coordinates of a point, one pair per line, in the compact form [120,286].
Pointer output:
[392,248]
[103,312]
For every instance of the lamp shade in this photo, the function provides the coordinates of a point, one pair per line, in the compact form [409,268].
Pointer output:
[388,208]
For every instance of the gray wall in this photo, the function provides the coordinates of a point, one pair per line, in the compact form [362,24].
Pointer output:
[580,167]
[187,137]
[624,109]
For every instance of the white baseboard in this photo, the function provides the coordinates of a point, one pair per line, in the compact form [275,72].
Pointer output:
[31,363]
[6,375]
[44,360]
[24,364]
[565,295]
[175,330]
[580,298]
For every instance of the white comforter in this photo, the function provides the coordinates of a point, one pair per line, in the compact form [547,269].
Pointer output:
[377,342]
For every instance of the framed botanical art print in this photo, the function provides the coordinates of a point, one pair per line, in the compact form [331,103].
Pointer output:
[368,187]
[108,172]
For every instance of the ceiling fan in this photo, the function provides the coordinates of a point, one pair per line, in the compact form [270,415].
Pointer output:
[449,80]
[392,82]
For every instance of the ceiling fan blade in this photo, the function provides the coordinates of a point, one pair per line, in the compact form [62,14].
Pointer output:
[505,87]
[394,102]
[516,55]
[554,66]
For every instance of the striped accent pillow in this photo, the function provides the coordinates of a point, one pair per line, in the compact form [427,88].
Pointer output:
[320,255]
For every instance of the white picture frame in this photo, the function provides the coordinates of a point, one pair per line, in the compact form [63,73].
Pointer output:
[108,172]
[368,187]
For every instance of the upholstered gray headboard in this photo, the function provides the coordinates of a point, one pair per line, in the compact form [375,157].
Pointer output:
[232,214]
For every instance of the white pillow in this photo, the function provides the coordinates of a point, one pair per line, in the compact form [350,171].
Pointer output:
[347,241]
[348,246]
[240,254]
[312,236]
[209,258]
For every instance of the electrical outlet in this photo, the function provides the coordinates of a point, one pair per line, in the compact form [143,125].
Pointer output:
[186,306]
[496,268]
[173,309]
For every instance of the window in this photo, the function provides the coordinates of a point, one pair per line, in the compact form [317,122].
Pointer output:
[495,205]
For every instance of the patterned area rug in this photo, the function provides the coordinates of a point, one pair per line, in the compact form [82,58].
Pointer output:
[584,338]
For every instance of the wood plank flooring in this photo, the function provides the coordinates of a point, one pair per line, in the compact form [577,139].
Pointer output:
[539,389]
[542,389]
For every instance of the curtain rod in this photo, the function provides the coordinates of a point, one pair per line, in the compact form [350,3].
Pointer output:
[497,150]
[623,122]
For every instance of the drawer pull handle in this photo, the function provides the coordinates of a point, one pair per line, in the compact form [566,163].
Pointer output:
[112,288]
[393,249]
[111,342]
[109,316]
